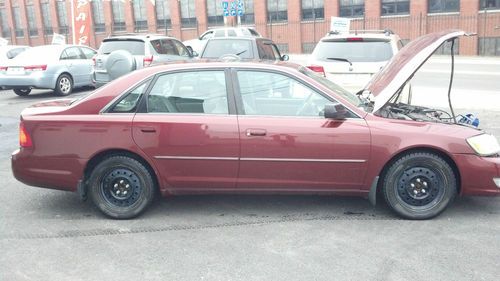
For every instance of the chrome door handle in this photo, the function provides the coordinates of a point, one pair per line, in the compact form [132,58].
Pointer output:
[255,132]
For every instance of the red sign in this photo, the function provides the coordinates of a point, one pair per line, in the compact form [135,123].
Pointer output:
[81,21]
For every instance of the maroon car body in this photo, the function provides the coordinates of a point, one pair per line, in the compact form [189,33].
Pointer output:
[234,152]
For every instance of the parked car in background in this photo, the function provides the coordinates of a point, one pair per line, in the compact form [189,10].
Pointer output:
[246,48]
[197,44]
[351,59]
[253,127]
[119,55]
[57,67]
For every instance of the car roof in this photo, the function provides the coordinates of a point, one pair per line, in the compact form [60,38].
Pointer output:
[250,38]
[138,36]
[380,34]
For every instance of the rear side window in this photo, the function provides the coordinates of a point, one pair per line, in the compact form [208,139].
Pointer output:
[217,48]
[129,103]
[89,53]
[135,47]
[354,51]
[72,53]
[189,92]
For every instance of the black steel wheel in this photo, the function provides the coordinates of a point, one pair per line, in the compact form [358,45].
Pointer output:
[22,91]
[419,185]
[121,187]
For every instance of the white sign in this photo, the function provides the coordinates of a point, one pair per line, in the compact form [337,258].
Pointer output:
[3,42]
[58,39]
[340,25]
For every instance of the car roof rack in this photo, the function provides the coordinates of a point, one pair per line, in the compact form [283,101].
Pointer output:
[135,34]
[386,31]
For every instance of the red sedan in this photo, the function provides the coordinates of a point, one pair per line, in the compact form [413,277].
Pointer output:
[234,127]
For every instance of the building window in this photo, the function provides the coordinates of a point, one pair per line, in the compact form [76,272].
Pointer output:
[118,15]
[30,15]
[313,9]
[352,8]
[98,16]
[4,22]
[140,17]
[395,7]
[163,19]
[62,16]
[282,47]
[188,14]
[47,21]
[214,13]
[489,4]
[277,11]
[17,22]
[489,46]
[444,6]
[248,16]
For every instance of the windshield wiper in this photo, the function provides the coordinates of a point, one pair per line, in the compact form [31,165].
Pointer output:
[240,52]
[341,59]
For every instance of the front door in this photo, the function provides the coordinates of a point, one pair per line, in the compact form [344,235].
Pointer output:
[189,132]
[287,144]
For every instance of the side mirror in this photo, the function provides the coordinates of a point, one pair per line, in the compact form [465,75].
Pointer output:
[335,111]
[285,57]
[194,54]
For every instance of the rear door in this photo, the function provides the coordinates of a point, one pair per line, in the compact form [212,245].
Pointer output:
[75,62]
[286,143]
[190,130]
[88,54]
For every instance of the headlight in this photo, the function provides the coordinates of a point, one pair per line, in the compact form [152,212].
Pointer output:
[484,145]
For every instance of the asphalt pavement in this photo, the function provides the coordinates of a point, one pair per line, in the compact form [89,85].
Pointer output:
[52,235]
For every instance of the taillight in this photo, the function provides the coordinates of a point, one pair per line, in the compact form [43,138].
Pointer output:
[24,137]
[147,61]
[94,60]
[354,39]
[317,68]
[35,67]
[3,68]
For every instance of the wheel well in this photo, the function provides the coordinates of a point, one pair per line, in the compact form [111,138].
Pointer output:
[96,159]
[67,73]
[438,152]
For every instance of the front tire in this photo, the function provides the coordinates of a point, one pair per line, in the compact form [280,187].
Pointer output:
[121,187]
[419,185]
[22,92]
[64,85]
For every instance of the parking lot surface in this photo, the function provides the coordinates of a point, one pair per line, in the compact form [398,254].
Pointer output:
[52,235]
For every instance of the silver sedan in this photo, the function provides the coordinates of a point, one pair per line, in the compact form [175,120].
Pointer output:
[57,67]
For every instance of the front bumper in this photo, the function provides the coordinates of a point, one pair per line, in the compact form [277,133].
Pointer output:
[478,174]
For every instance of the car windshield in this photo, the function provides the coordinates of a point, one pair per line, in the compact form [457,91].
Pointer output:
[350,97]
[354,51]
[135,47]
[217,48]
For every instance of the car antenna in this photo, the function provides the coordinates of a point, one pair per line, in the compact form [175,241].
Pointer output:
[451,79]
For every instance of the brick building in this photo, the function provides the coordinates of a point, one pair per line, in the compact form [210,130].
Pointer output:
[296,25]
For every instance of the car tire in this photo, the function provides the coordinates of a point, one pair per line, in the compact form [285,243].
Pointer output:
[64,85]
[419,185]
[22,92]
[121,187]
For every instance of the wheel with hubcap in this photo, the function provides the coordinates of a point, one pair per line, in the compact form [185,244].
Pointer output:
[22,91]
[419,185]
[121,187]
[64,85]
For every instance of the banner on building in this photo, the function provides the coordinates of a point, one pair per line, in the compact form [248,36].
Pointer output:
[80,13]
[340,25]
[58,39]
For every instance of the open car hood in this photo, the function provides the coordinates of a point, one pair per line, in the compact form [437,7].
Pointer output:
[404,64]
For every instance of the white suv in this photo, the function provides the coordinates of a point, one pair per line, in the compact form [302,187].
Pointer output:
[351,59]
[197,44]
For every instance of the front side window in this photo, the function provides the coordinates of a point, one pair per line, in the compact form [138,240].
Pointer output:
[199,92]
[188,14]
[273,94]
[163,19]
[352,8]
[47,21]
[395,7]
[215,13]
[277,11]
[140,18]
[118,15]
[98,16]
[444,6]
[313,9]
[266,51]
[489,4]
[181,49]
[164,47]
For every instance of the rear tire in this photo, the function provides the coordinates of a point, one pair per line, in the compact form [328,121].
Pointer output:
[22,92]
[64,85]
[419,185]
[121,187]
